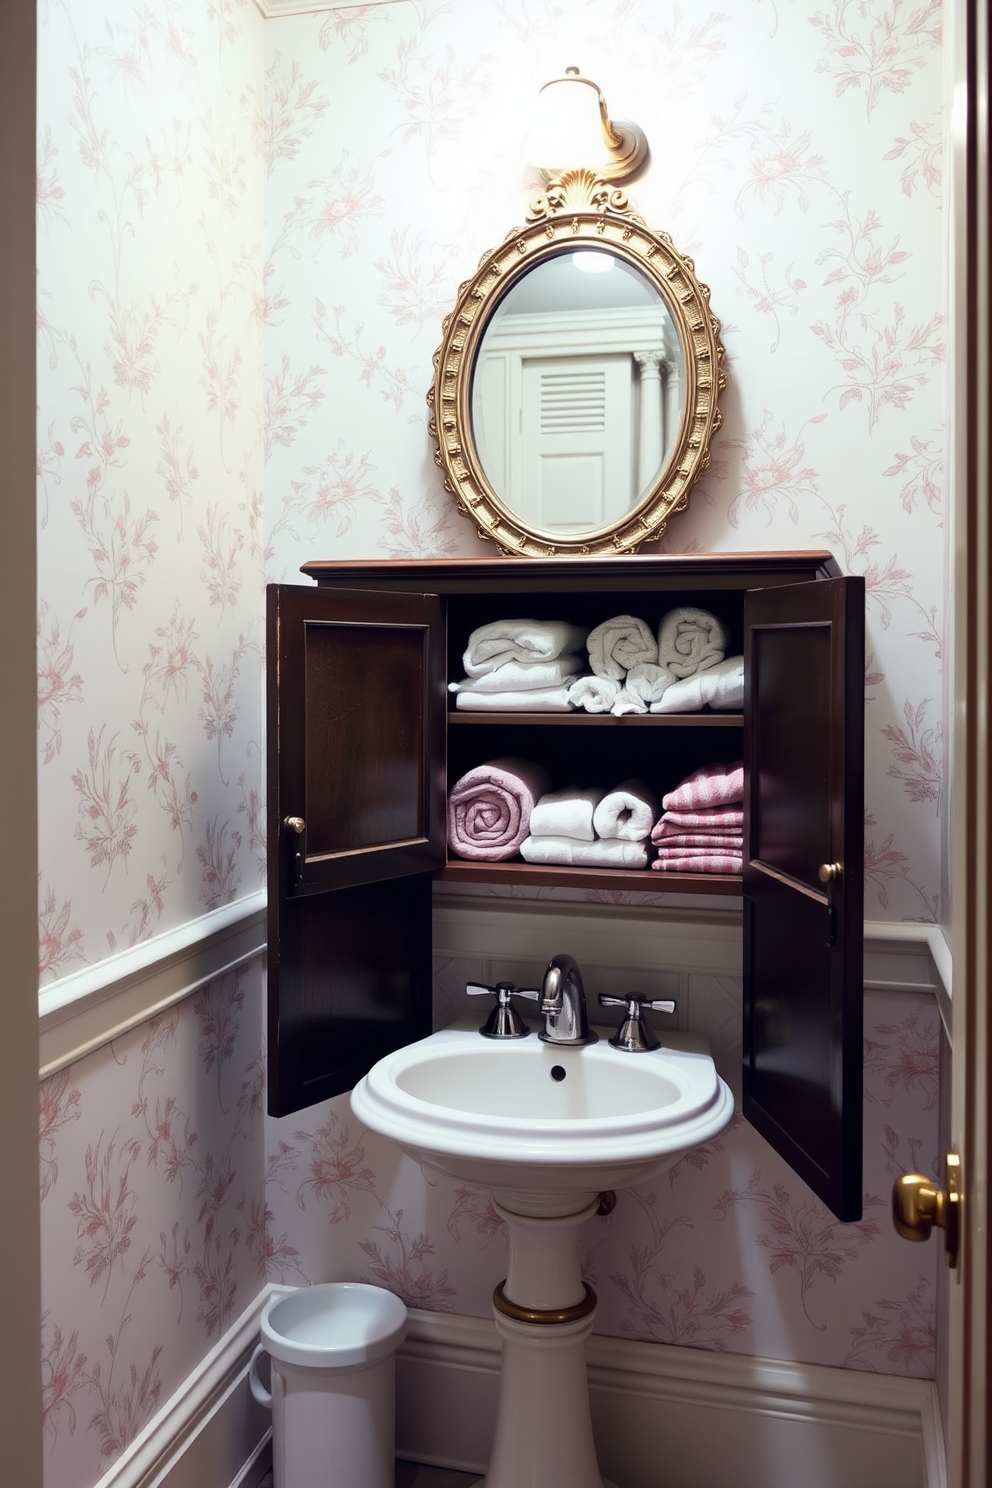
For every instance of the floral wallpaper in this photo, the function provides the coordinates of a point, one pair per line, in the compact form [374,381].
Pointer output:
[153,1217]
[150,198]
[248,235]
[796,153]
[149,471]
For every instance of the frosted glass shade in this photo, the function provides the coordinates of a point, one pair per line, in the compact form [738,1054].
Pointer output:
[568,128]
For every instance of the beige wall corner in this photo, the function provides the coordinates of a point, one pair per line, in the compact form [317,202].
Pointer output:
[20,1382]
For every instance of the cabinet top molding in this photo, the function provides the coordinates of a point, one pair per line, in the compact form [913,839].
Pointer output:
[505,574]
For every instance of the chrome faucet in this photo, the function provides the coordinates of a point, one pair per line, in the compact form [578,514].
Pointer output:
[563,1003]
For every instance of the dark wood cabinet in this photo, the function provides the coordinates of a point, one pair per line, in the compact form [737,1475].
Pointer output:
[362,748]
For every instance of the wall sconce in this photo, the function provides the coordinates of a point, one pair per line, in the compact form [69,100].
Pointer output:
[573,131]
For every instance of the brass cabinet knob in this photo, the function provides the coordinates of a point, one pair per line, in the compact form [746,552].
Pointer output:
[917,1206]
[829,871]
[295,824]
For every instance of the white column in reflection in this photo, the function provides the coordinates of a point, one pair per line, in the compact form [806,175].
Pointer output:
[673,394]
[652,441]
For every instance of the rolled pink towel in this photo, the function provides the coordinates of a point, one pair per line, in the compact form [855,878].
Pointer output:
[489,808]
[716,785]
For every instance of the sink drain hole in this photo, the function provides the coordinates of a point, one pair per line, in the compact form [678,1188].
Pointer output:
[557,1072]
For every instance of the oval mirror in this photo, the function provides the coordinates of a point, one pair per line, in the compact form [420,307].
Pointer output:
[577,392]
[576,387]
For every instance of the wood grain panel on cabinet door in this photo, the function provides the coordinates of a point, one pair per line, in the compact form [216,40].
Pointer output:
[356,713]
[356,736]
[803,938]
[349,981]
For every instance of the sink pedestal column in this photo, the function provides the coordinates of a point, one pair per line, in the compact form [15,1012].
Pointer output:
[544,1314]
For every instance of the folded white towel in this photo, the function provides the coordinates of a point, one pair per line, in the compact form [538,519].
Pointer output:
[519,640]
[619,644]
[649,681]
[690,641]
[594,694]
[523,676]
[628,702]
[538,700]
[628,812]
[722,686]
[565,813]
[643,687]
[603,853]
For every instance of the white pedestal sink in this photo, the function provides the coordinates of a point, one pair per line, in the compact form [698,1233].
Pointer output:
[548,1129]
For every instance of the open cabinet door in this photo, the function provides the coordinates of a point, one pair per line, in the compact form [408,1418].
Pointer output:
[356,718]
[803,880]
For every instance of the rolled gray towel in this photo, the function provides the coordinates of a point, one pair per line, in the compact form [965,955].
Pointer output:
[690,641]
[619,644]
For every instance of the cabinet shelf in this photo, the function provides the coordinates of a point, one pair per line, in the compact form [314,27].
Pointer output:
[637,881]
[598,720]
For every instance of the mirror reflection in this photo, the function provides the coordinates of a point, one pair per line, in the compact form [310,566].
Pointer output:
[578,390]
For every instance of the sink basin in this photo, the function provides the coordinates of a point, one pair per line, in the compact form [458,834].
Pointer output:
[528,1117]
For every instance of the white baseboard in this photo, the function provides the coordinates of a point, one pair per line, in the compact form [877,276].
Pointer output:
[663,1417]
[681,1418]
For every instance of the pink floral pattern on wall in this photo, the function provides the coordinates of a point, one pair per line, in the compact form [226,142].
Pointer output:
[727,1250]
[152,1217]
[204,197]
[149,245]
[806,183]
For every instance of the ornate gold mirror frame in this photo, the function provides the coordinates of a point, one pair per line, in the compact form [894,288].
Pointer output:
[579,210]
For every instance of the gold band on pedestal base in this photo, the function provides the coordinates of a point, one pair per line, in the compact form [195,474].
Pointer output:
[520,1314]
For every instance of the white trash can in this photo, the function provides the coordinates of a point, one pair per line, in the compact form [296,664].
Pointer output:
[333,1395]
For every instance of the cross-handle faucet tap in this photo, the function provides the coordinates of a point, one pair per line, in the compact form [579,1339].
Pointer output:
[563,1003]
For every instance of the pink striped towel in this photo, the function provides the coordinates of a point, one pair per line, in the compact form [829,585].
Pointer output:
[715,785]
[489,808]
[706,840]
[703,862]
[711,819]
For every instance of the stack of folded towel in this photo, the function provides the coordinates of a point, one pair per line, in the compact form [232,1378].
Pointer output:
[521,665]
[702,827]
[586,829]
[490,808]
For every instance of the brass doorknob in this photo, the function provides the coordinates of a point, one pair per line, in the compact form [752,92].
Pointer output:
[917,1206]
[295,824]
[829,871]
